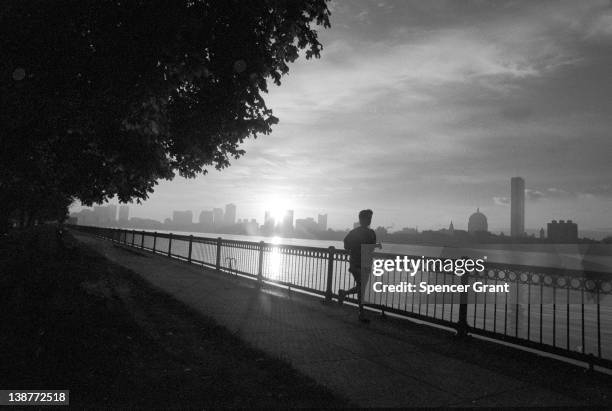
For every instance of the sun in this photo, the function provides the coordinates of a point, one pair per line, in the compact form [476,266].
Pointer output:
[277,208]
[277,214]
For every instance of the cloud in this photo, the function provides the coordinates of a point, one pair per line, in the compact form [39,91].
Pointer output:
[501,201]
[601,27]
[550,193]
[601,190]
[415,103]
[558,193]
[533,195]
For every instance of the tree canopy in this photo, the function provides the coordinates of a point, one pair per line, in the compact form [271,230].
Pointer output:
[104,98]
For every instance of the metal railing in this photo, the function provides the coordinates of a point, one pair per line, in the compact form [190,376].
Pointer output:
[573,323]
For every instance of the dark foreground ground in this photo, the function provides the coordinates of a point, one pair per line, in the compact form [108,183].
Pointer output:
[70,319]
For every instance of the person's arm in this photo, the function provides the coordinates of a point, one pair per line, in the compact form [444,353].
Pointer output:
[348,242]
[373,240]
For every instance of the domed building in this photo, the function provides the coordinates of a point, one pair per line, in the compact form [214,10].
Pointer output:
[478,222]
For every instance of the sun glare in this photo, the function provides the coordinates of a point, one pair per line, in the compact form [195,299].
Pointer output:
[277,208]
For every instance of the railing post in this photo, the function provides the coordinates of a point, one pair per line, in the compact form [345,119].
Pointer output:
[154,241]
[462,325]
[260,264]
[190,247]
[330,274]
[170,245]
[142,240]
[133,237]
[218,264]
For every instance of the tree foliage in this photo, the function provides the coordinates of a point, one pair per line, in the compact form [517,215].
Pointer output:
[103,98]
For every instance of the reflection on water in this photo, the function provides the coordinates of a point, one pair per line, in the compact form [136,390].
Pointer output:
[274,260]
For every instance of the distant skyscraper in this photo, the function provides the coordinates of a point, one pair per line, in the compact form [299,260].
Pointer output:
[86,217]
[112,212]
[477,222]
[217,216]
[322,222]
[268,224]
[306,225]
[288,221]
[124,213]
[206,218]
[517,207]
[99,214]
[182,217]
[230,214]
[105,215]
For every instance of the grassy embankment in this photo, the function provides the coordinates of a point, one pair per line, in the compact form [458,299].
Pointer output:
[73,320]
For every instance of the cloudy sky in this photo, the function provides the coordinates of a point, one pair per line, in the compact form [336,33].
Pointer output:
[423,110]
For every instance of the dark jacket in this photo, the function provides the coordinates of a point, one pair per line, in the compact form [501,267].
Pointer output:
[352,243]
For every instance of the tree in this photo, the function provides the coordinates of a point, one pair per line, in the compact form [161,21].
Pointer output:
[104,98]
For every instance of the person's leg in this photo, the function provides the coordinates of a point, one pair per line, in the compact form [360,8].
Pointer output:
[353,290]
[343,293]
[362,317]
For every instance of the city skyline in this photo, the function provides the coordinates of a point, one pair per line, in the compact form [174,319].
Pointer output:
[284,220]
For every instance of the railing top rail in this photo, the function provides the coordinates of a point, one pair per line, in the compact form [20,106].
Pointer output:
[302,247]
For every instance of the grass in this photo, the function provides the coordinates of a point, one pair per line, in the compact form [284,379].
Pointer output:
[73,320]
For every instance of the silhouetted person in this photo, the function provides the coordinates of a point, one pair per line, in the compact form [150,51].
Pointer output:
[352,243]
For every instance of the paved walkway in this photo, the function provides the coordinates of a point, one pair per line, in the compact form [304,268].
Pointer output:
[385,363]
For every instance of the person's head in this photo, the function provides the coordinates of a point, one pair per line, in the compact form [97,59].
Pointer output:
[365,218]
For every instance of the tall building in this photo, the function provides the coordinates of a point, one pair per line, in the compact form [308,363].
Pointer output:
[268,219]
[112,212]
[124,213]
[104,215]
[230,214]
[99,213]
[322,222]
[206,218]
[182,217]
[477,222]
[217,216]
[86,217]
[517,207]
[288,221]
[268,224]
[562,231]
[306,225]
